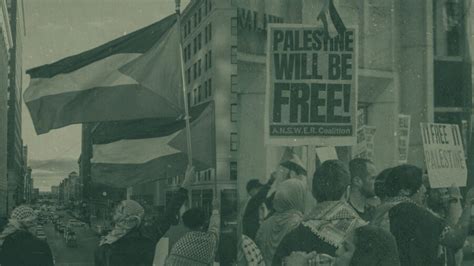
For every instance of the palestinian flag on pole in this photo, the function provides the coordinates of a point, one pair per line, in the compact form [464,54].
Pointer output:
[133,77]
[333,24]
[130,161]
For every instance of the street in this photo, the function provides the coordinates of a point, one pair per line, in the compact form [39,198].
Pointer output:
[82,255]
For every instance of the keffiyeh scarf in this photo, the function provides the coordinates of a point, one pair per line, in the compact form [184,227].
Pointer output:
[332,221]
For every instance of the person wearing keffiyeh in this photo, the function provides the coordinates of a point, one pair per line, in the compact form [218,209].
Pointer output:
[18,243]
[330,221]
[418,231]
[131,242]
[199,246]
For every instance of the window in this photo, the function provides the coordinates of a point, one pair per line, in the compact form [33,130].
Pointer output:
[206,36]
[199,41]
[209,6]
[189,51]
[189,26]
[233,170]
[233,26]
[234,113]
[199,94]
[206,60]
[233,55]
[209,89]
[195,20]
[233,83]
[195,45]
[210,58]
[233,142]
[188,76]
[205,89]
[194,96]
[205,7]
[185,30]
[199,67]
[195,71]
[189,99]
[210,31]
[199,15]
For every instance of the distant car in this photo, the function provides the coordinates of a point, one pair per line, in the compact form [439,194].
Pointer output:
[75,223]
[41,235]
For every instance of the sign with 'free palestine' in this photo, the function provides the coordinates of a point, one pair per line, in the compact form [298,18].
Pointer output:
[444,155]
[311,96]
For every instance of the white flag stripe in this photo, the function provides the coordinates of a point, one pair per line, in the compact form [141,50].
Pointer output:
[103,73]
[136,151]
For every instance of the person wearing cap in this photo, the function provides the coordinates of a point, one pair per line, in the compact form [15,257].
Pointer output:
[131,242]
[363,175]
[18,244]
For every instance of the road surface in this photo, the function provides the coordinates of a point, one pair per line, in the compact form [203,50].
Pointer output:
[82,255]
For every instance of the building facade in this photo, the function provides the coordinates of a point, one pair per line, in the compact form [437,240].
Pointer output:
[15,160]
[209,68]
[6,43]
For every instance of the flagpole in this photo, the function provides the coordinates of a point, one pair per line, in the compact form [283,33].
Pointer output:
[185,97]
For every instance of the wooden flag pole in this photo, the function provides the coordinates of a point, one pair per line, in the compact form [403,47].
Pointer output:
[185,97]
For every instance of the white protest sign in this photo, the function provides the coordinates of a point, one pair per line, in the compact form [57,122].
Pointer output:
[326,153]
[444,155]
[365,143]
[311,96]
[403,137]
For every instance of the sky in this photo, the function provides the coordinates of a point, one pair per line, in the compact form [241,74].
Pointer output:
[59,28]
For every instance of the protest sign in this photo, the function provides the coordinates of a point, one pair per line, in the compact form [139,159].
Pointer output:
[403,132]
[326,153]
[365,143]
[311,96]
[444,155]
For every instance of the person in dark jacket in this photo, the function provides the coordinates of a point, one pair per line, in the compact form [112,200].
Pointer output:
[19,245]
[131,243]
[251,217]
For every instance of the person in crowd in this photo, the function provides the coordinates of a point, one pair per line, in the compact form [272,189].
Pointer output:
[379,184]
[365,246]
[419,232]
[446,203]
[19,245]
[289,205]
[330,221]
[251,217]
[249,253]
[197,247]
[130,242]
[363,174]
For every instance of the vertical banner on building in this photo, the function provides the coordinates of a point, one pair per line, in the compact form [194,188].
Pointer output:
[311,96]
[444,155]
[403,133]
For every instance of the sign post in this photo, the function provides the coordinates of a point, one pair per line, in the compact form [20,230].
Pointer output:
[444,155]
[311,96]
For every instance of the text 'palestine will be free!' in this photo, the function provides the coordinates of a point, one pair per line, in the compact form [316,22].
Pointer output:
[313,83]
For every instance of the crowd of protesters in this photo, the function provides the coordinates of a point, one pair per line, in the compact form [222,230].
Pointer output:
[360,217]
[344,215]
